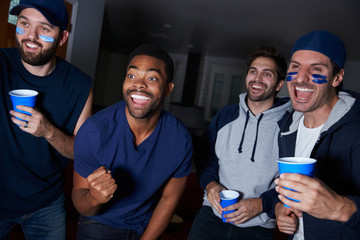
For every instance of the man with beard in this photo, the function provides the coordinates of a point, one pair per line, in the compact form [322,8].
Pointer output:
[34,151]
[132,159]
[239,153]
[322,126]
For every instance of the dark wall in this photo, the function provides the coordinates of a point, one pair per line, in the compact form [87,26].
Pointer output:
[191,77]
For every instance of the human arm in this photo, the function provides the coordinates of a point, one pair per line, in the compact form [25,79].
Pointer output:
[40,126]
[213,190]
[206,159]
[165,208]
[89,194]
[316,198]
[287,221]
[245,210]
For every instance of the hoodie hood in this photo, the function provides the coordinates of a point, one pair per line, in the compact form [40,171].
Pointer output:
[341,114]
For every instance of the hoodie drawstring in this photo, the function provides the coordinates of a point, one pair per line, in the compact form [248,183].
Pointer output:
[243,134]
[256,136]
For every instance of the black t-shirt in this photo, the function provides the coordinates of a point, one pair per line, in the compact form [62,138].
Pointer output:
[31,169]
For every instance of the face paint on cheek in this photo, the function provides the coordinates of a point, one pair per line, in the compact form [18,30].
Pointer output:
[46,38]
[319,79]
[20,31]
[291,76]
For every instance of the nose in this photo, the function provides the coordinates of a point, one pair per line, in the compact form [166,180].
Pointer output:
[302,76]
[140,83]
[258,76]
[32,33]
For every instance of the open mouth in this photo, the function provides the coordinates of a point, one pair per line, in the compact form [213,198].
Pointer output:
[303,93]
[31,45]
[257,87]
[139,99]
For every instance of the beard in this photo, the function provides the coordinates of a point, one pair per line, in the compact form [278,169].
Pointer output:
[36,59]
[153,107]
[267,94]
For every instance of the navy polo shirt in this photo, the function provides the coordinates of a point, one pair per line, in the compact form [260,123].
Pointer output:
[140,172]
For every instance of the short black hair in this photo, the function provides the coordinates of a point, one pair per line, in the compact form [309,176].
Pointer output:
[269,52]
[156,52]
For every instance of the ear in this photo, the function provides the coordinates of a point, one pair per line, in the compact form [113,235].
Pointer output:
[338,78]
[64,35]
[279,85]
[169,89]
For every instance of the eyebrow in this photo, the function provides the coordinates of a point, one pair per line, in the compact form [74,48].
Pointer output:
[42,23]
[312,64]
[266,69]
[147,70]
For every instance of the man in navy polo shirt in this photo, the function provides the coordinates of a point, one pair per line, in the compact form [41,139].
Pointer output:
[132,158]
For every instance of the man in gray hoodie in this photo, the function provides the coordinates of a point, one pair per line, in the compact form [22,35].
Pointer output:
[239,153]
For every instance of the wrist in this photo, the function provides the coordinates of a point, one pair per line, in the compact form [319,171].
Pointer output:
[210,185]
[346,210]
[93,200]
[259,205]
[50,133]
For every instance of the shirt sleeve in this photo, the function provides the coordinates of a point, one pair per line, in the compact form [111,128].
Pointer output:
[187,153]
[207,162]
[84,149]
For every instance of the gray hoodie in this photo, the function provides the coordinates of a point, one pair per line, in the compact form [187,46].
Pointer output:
[246,149]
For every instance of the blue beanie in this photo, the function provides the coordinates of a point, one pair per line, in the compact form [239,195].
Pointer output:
[53,10]
[323,42]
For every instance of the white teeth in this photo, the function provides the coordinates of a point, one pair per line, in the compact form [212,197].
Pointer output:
[31,45]
[139,97]
[256,86]
[303,89]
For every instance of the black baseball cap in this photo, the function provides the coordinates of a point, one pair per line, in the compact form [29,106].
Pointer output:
[53,10]
[323,42]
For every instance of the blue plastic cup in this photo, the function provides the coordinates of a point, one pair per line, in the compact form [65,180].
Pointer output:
[228,197]
[305,166]
[23,97]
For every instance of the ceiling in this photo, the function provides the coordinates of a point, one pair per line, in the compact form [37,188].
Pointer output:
[227,28]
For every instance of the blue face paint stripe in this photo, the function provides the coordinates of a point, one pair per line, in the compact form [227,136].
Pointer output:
[319,79]
[20,31]
[290,76]
[46,38]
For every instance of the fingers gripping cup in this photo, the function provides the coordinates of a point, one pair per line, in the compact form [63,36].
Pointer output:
[305,166]
[23,97]
[228,197]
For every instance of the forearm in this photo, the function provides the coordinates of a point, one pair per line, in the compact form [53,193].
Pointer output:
[209,173]
[269,201]
[63,143]
[160,219]
[84,203]
[165,208]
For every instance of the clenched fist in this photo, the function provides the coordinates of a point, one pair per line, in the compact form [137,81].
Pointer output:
[101,185]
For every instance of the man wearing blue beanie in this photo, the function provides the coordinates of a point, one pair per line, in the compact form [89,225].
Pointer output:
[321,127]
[35,149]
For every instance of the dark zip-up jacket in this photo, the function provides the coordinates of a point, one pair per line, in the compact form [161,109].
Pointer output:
[338,154]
